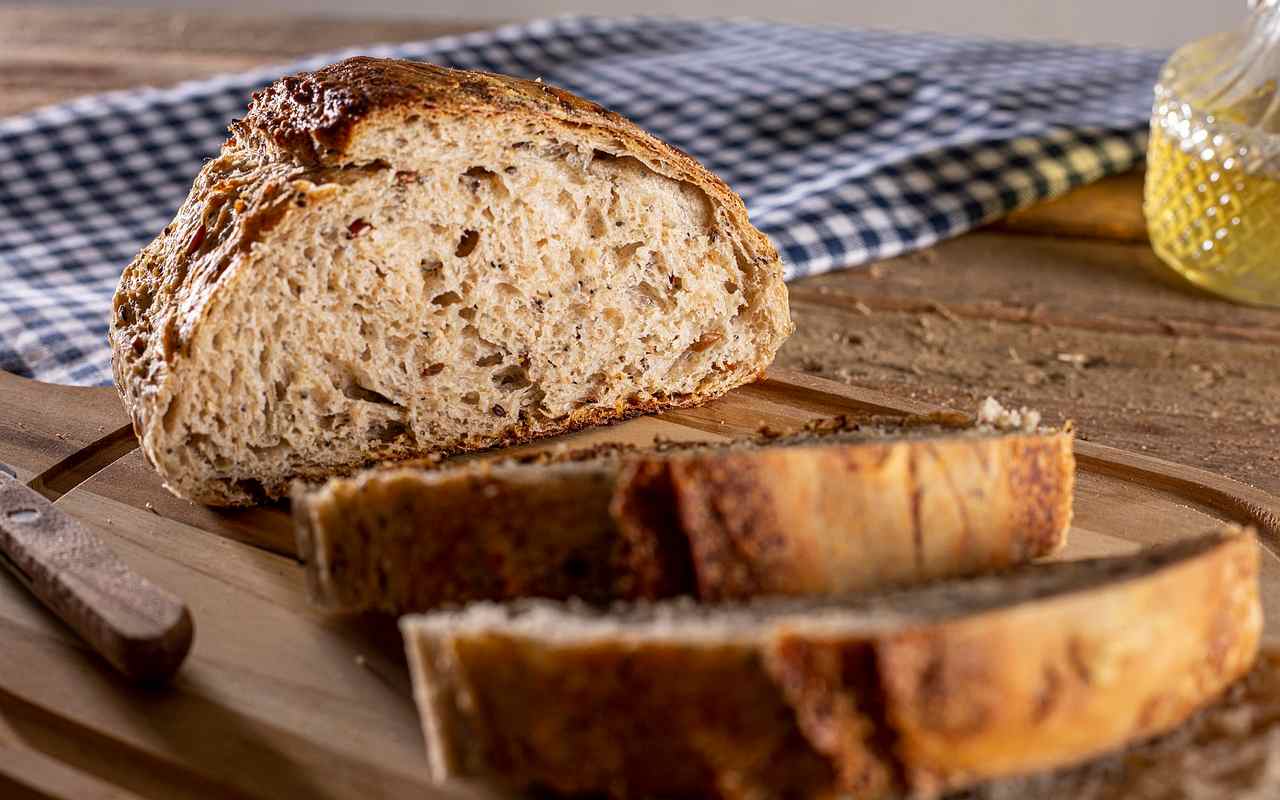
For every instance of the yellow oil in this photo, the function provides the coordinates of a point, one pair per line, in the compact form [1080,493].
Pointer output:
[1212,198]
[1211,220]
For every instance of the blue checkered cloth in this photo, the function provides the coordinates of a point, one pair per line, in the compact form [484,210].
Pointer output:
[847,145]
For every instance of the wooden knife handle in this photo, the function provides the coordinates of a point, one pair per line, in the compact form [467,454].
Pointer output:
[141,629]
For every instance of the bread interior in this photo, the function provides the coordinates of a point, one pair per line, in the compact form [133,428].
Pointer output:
[479,282]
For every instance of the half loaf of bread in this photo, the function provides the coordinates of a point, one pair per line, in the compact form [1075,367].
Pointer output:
[842,506]
[390,258]
[916,692]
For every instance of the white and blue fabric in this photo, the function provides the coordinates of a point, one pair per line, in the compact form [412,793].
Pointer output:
[847,145]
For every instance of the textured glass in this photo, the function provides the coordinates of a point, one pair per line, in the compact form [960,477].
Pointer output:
[1213,165]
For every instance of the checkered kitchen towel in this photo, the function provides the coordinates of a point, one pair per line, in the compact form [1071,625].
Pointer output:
[847,145]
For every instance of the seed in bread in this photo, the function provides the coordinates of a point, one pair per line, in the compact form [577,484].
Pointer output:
[388,259]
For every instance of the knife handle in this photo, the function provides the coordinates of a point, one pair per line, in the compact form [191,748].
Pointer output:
[144,631]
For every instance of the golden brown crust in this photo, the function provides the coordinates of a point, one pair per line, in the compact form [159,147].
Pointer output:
[1043,476]
[1229,750]
[908,701]
[316,118]
[1023,689]
[797,520]
[680,723]
[791,515]
[838,705]
[409,543]
[658,560]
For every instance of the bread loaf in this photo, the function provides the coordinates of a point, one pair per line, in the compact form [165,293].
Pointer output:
[388,259]
[914,692]
[841,507]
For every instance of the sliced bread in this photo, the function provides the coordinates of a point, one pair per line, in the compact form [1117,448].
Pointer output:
[390,258]
[1229,750]
[911,692]
[842,506]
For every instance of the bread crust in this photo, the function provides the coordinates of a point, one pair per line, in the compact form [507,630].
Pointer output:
[316,119]
[903,705]
[302,135]
[705,722]
[1231,749]
[1033,687]
[829,520]
[717,523]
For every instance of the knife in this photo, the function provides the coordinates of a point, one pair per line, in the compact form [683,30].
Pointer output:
[141,629]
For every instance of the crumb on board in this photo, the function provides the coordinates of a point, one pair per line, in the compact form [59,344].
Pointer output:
[991,412]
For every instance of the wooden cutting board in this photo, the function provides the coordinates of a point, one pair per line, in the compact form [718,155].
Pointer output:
[277,700]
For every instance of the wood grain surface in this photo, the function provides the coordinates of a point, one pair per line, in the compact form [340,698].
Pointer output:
[279,700]
[1061,307]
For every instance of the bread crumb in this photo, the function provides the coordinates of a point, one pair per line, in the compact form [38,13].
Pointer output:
[993,414]
[1081,359]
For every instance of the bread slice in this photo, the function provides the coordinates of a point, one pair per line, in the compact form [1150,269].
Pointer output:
[1229,750]
[843,506]
[388,259]
[912,692]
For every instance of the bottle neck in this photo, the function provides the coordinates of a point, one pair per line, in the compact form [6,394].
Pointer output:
[1264,21]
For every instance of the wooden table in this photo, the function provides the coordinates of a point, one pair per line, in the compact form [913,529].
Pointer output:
[1061,307]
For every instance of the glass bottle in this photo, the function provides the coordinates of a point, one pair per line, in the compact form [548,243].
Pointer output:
[1212,198]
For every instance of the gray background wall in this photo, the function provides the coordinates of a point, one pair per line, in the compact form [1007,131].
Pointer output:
[1150,23]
